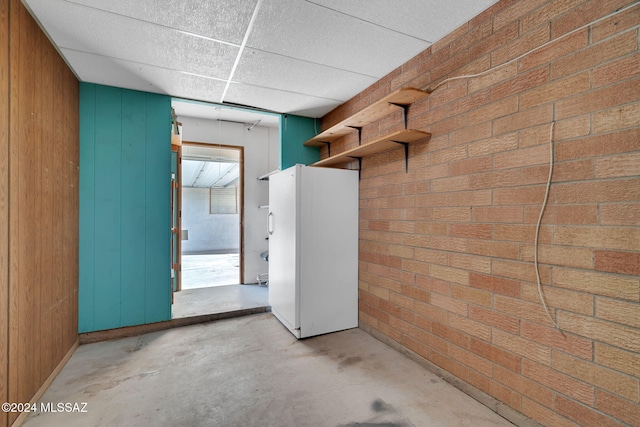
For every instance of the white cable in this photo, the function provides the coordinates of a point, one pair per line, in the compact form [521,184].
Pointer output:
[535,242]
[532,50]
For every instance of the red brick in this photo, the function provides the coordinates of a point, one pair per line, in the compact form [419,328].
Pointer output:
[584,415]
[462,214]
[566,256]
[515,11]
[522,233]
[619,190]
[456,183]
[569,214]
[618,166]
[622,312]
[573,171]
[498,108]
[471,166]
[600,99]
[449,304]
[520,83]
[500,392]
[458,369]
[618,359]
[623,238]
[555,50]
[615,286]
[572,128]
[615,24]
[471,327]
[599,145]
[544,415]
[585,14]
[492,145]
[524,310]
[595,55]
[620,214]
[614,334]
[469,359]
[559,382]
[474,231]
[618,262]
[519,270]
[451,335]
[512,214]
[551,337]
[518,345]
[523,119]
[510,177]
[493,318]
[622,69]
[495,284]
[470,102]
[471,295]
[470,262]
[627,116]
[522,45]
[454,275]
[496,75]
[621,409]
[495,354]
[591,373]
[523,157]
[519,196]
[556,91]
[547,13]
[577,302]
[493,249]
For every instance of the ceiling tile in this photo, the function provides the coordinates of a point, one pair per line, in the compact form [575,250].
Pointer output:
[280,101]
[90,30]
[428,20]
[225,20]
[273,71]
[130,75]
[323,36]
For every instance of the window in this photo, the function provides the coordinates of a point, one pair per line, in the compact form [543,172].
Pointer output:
[223,200]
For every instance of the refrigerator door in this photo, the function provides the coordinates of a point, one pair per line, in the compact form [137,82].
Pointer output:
[283,259]
[328,255]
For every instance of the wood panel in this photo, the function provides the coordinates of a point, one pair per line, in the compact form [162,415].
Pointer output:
[4,207]
[125,208]
[43,207]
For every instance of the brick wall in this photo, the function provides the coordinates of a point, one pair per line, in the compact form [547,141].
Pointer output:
[446,250]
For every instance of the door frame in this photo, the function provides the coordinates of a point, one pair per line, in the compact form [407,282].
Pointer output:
[241,174]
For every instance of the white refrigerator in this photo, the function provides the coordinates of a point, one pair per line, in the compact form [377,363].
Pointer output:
[313,249]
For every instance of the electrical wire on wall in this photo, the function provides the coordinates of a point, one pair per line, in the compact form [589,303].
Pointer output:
[551,150]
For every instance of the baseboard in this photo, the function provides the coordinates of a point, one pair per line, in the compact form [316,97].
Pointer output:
[34,400]
[492,403]
[130,331]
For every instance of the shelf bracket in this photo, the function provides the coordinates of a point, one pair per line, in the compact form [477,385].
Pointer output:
[405,110]
[328,143]
[359,166]
[406,154]
[359,129]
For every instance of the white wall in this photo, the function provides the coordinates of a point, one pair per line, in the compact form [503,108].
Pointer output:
[207,232]
[261,154]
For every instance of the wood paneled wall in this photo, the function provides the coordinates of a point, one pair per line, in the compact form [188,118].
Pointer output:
[38,207]
[4,207]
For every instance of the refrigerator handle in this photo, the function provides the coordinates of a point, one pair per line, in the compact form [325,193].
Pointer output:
[270,223]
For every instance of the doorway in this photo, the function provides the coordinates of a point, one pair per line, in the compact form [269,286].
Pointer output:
[212,212]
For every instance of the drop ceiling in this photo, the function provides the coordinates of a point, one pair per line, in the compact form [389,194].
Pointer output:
[302,57]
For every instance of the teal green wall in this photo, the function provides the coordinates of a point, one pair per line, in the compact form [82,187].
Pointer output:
[125,164]
[294,131]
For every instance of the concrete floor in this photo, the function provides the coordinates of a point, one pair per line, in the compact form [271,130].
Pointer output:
[250,371]
[205,270]
[218,299]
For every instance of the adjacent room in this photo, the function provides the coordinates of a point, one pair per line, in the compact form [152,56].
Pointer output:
[320,213]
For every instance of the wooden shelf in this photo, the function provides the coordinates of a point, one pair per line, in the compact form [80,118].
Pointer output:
[388,142]
[401,98]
